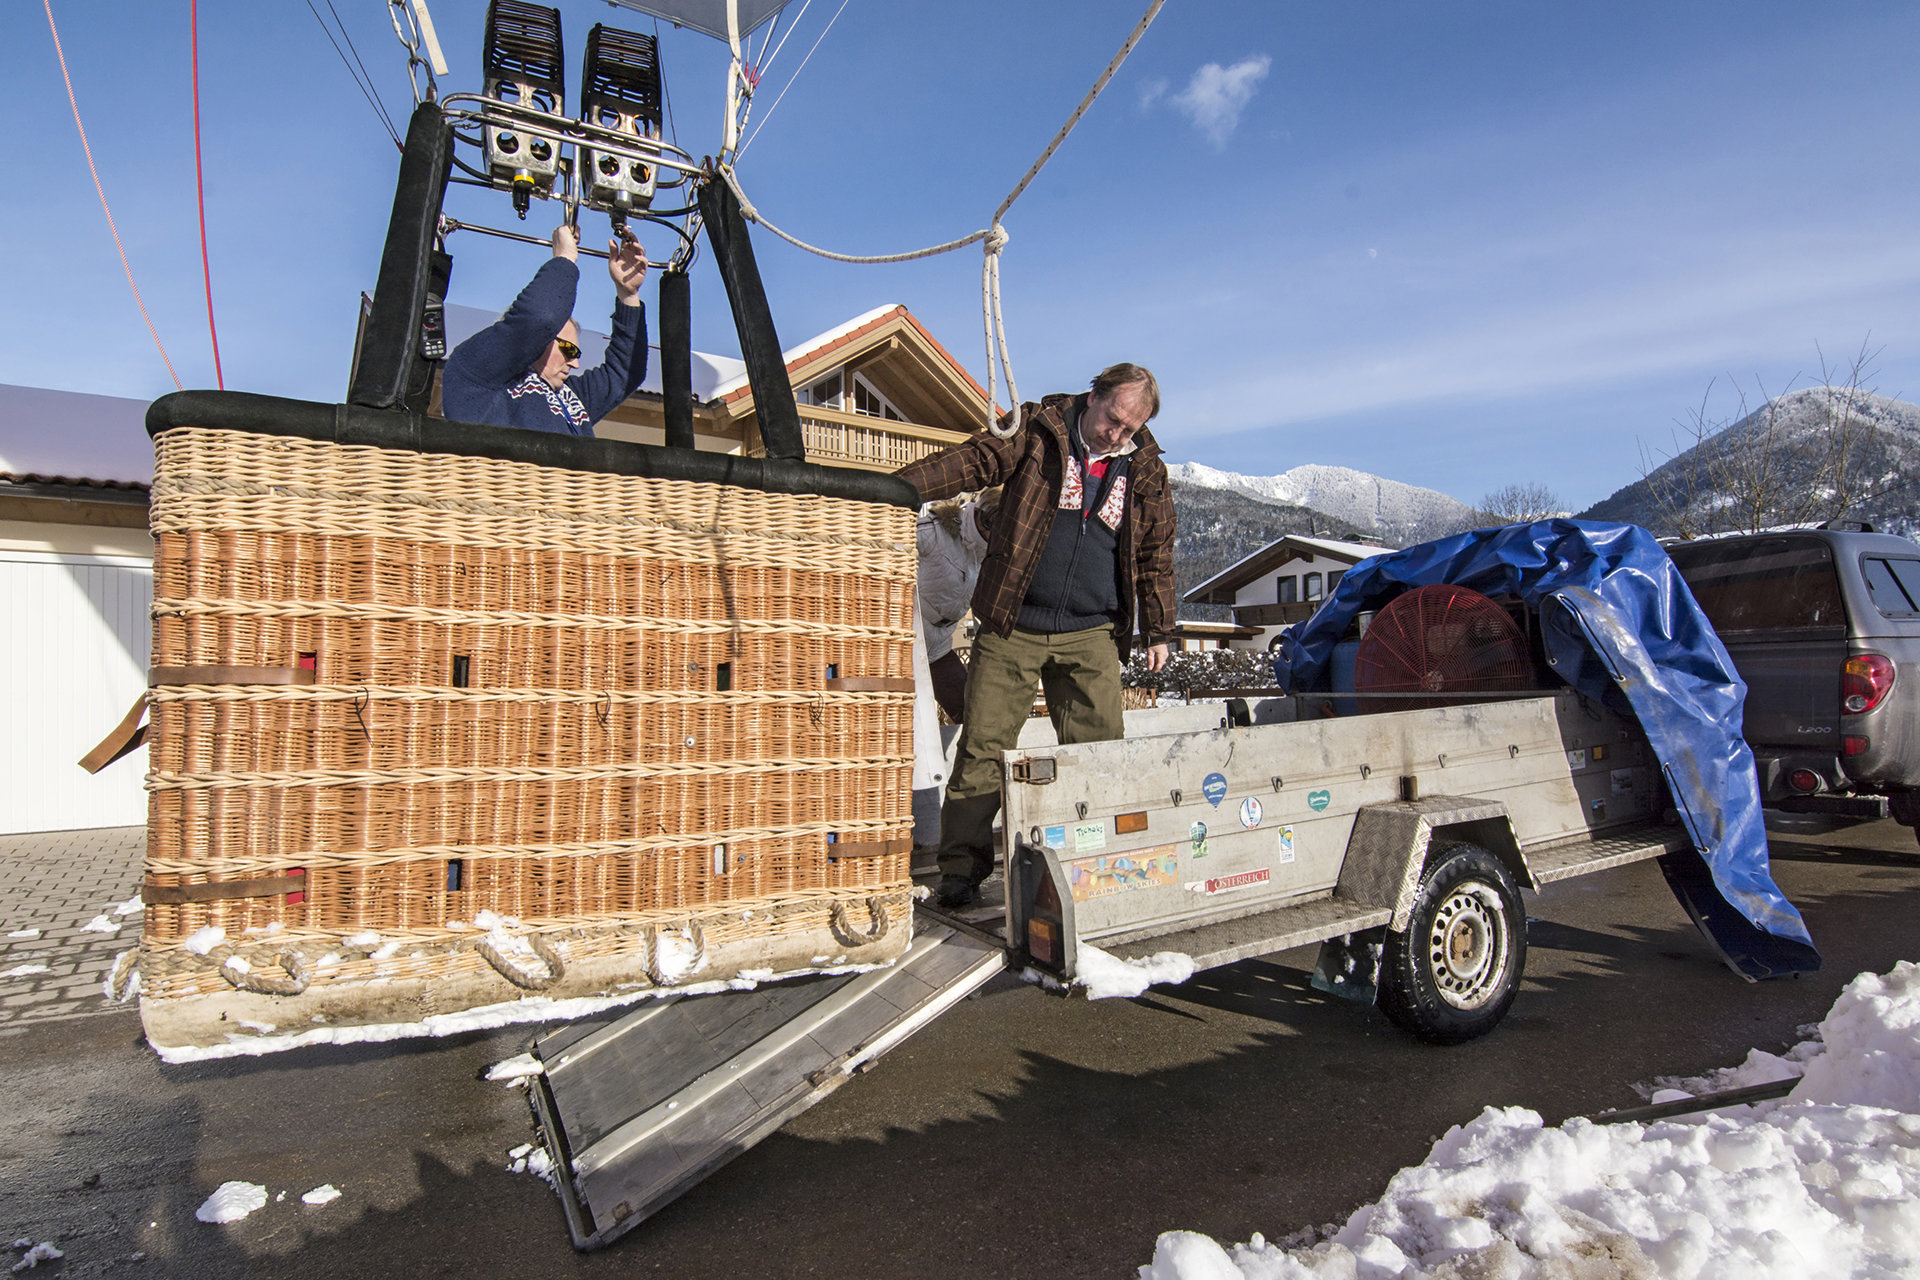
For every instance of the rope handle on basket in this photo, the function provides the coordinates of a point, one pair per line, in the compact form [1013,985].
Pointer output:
[847,935]
[296,981]
[695,934]
[556,966]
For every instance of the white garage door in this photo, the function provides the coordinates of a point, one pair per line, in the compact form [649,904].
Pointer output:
[73,657]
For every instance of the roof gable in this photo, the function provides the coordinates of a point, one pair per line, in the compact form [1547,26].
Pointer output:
[1220,587]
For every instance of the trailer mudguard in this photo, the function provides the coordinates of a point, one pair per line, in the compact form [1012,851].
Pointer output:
[1620,626]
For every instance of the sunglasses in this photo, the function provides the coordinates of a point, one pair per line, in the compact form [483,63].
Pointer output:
[567,349]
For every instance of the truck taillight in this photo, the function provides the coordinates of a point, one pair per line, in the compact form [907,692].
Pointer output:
[1865,682]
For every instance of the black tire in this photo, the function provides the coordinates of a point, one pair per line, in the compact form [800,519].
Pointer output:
[1452,975]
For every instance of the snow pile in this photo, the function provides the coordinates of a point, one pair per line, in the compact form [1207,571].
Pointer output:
[516,1069]
[201,941]
[1823,1184]
[325,1193]
[527,1158]
[102,923]
[35,1254]
[232,1202]
[1106,976]
[25,970]
[678,955]
[132,906]
[24,933]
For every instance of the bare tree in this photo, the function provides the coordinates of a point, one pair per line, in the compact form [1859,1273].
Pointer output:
[1521,504]
[1794,461]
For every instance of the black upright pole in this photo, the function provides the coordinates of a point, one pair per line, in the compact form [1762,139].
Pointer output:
[390,355]
[676,356]
[773,401]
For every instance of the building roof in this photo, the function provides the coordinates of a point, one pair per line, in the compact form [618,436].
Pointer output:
[710,372]
[73,438]
[1220,587]
[846,335]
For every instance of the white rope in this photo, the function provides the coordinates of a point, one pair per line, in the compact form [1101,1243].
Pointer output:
[790,79]
[994,235]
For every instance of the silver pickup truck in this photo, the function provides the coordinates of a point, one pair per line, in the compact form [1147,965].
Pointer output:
[1824,627]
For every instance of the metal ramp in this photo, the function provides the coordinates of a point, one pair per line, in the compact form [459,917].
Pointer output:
[641,1108]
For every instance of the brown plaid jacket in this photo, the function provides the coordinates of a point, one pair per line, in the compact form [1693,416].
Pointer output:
[1029,464]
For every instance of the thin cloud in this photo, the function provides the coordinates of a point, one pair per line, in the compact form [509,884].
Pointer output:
[1216,95]
[1152,91]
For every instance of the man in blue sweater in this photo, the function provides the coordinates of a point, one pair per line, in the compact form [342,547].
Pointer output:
[519,371]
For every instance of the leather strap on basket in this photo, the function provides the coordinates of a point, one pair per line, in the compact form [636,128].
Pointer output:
[869,848]
[222,890]
[126,736]
[869,684]
[130,733]
[228,675]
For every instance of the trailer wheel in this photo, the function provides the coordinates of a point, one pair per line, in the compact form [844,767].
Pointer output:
[1452,975]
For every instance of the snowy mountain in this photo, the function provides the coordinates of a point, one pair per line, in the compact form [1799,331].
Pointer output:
[1394,512]
[1811,455]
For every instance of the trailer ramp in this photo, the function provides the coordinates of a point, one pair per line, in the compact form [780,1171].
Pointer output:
[640,1108]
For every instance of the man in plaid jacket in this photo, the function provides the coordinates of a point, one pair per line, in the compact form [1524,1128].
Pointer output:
[1081,552]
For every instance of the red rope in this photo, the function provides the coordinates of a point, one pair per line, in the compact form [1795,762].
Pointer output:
[74,103]
[200,193]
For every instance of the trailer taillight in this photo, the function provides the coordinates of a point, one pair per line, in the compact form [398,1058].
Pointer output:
[1805,781]
[1865,682]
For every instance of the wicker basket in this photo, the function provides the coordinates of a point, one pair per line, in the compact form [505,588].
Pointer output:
[433,731]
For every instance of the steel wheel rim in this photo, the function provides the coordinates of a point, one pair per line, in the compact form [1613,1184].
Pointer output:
[1467,946]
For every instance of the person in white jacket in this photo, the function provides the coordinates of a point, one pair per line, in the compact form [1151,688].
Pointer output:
[953,543]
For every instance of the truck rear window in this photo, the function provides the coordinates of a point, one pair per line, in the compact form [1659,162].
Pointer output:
[1894,584]
[1763,584]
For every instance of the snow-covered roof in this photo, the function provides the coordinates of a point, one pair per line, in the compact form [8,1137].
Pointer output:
[1292,547]
[843,335]
[73,438]
[711,373]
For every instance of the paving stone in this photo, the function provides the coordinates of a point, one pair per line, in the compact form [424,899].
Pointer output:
[56,882]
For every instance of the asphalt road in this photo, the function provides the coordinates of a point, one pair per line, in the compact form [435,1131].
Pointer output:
[1021,1135]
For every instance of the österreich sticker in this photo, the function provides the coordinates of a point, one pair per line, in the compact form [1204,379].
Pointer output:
[1108,874]
[1227,884]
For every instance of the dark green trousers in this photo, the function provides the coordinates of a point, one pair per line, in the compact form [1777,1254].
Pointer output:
[1079,671]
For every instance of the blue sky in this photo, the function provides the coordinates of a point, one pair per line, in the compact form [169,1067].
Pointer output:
[1456,244]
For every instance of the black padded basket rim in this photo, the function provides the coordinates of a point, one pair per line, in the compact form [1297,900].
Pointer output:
[398,429]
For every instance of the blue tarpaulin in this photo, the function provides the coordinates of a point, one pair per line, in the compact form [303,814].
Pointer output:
[1620,626]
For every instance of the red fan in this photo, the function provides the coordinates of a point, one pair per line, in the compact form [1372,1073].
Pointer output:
[1440,640]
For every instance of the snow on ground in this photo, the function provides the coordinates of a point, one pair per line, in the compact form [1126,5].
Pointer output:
[102,923]
[232,1202]
[24,970]
[35,1254]
[24,933]
[481,1018]
[1107,976]
[325,1193]
[528,1158]
[515,1070]
[1822,1184]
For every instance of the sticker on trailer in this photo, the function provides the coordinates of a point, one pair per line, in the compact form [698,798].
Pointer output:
[1319,800]
[1577,758]
[1089,835]
[1285,844]
[1055,837]
[1214,788]
[1622,782]
[1197,837]
[1250,813]
[1227,884]
[1108,874]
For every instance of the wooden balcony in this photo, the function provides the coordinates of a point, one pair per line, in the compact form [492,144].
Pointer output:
[840,439]
[1274,615]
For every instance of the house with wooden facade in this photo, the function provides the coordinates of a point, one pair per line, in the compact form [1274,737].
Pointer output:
[1280,584]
